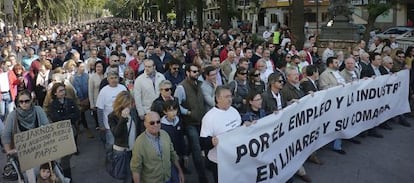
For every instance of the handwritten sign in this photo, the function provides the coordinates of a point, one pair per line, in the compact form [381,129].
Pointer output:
[46,143]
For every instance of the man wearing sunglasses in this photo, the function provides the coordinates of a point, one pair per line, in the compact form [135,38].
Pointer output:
[154,144]
[192,108]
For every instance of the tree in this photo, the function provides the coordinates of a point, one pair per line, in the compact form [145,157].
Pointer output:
[224,17]
[376,8]
[297,25]
[199,5]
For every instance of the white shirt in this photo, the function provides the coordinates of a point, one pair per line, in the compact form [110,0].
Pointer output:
[278,99]
[4,82]
[338,77]
[105,99]
[216,122]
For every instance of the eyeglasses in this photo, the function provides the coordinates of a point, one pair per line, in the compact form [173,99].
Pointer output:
[24,101]
[194,71]
[166,89]
[153,122]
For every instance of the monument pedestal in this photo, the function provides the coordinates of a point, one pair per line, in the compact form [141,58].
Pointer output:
[343,34]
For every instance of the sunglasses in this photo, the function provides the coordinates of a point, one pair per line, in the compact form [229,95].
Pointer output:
[153,122]
[194,71]
[175,68]
[24,101]
[242,73]
[115,60]
[166,89]
[256,75]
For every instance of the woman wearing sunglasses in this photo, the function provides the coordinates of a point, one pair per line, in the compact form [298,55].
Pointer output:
[165,94]
[27,116]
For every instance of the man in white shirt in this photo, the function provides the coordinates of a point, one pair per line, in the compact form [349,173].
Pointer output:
[218,120]
[329,52]
[104,102]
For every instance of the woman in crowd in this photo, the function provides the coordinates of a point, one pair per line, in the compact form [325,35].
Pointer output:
[129,78]
[255,83]
[23,81]
[62,108]
[93,87]
[70,69]
[43,78]
[254,110]
[125,127]
[239,88]
[80,83]
[165,94]
[27,116]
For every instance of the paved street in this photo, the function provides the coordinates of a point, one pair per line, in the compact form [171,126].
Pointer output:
[385,160]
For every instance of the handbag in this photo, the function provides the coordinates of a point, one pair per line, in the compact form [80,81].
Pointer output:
[117,161]
[10,172]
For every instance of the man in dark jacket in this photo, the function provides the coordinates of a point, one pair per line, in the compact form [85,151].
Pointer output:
[192,109]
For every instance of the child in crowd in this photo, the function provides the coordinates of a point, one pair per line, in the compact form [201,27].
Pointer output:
[171,123]
[46,174]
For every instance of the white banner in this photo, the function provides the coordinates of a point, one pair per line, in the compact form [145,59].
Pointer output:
[275,147]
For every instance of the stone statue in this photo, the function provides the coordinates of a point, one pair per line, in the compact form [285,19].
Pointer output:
[341,7]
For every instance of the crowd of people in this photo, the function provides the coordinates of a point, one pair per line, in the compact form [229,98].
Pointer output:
[164,94]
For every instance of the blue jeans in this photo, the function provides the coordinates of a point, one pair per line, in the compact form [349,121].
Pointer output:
[6,105]
[193,134]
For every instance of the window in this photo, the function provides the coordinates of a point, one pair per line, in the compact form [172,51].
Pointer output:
[274,18]
[244,2]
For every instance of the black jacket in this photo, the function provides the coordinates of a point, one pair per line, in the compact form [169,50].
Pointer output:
[68,110]
[120,129]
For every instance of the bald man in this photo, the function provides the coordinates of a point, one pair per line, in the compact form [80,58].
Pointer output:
[153,153]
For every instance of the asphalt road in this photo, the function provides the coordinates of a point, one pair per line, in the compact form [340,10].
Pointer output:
[387,160]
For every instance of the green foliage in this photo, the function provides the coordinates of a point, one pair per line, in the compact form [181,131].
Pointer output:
[375,8]
[57,11]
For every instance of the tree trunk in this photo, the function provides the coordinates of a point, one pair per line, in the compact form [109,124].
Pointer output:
[179,13]
[200,14]
[368,28]
[224,16]
[298,24]
[47,15]
[20,17]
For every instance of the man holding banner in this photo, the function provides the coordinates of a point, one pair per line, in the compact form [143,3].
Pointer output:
[331,77]
[291,92]
[218,120]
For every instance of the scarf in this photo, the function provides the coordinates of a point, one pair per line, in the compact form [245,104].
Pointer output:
[26,117]
[42,79]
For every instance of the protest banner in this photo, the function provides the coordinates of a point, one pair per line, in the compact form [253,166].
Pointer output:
[46,143]
[274,148]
